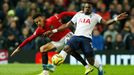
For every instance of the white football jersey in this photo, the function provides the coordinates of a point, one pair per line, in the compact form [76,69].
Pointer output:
[85,23]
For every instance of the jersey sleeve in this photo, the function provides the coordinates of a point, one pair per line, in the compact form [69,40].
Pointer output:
[74,19]
[65,14]
[29,39]
[99,18]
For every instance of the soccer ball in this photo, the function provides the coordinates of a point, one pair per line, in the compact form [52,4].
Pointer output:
[57,59]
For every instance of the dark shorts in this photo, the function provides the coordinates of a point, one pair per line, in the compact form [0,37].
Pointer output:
[83,43]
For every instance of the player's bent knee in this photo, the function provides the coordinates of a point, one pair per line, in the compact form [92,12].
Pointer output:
[67,49]
[46,48]
[42,49]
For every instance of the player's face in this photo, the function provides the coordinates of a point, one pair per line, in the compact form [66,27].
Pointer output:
[87,8]
[40,21]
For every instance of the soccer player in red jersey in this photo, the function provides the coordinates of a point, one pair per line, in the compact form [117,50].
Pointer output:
[58,39]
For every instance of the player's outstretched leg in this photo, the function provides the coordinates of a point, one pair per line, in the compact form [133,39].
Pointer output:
[67,50]
[44,64]
[99,67]
[77,56]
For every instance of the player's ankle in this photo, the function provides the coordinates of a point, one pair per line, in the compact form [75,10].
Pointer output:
[63,54]
[44,67]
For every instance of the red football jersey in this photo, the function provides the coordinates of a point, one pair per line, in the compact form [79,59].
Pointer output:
[50,24]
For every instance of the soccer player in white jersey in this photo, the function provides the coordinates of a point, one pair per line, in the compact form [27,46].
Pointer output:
[85,22]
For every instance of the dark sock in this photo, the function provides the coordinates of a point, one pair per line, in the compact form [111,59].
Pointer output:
[44,60]
[78,57]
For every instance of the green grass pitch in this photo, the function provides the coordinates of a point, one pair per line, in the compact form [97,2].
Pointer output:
[65,69]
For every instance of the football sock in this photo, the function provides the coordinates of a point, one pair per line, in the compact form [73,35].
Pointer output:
[78,57]
[63,54]
[44,60]
[99,67]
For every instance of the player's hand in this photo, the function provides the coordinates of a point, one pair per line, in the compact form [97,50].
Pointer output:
[48,33]
[15,51]
[122,16]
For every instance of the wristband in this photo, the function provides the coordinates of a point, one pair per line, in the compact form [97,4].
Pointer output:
[54,30]
[115,19]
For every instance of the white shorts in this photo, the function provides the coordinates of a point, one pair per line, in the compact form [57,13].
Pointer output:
[61,43]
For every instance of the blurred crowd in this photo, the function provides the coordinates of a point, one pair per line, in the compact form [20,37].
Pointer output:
[16,22]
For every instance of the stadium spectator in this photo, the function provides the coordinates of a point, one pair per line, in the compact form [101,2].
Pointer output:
[1,25]
[71,7]
[118,44]
[59,5]
[126,6]
[2,40]
[3,12]
[108,43]
[13,28]
[132,13]
[25,34]
[98,41]
[115,3]
[105,14]
[29,23]
[11,44]
[21,11]
[132,23]
[33,9]
[40,4]
[111,31]
[48,9]
[111,10]
[126,29]
[119,25]
[129,40]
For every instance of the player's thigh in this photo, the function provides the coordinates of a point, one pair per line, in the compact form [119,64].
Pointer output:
[87,47]
[47,47]
[88,50]
[73,43]
[58,45]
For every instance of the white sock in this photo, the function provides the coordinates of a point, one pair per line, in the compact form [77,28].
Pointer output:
[63,54]
[98,65]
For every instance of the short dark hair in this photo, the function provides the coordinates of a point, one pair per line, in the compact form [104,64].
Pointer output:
[87,2]
[37,15]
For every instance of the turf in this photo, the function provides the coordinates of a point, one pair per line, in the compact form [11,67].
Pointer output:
[65,69]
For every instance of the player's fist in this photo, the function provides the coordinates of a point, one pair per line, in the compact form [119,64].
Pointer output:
[15,51]
[122,16]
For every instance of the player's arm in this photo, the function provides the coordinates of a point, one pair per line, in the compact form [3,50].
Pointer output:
[118,18]
[64,26]
[65,14]
[29,39]
[61,28]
